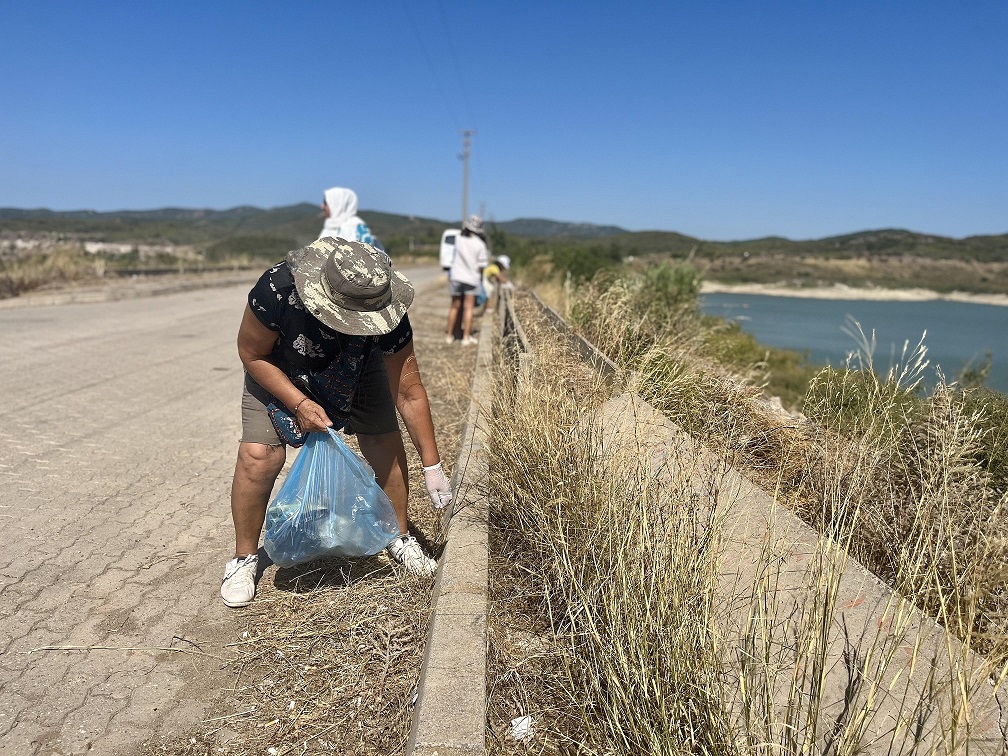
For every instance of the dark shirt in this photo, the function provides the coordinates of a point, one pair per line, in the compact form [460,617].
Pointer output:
[304,343]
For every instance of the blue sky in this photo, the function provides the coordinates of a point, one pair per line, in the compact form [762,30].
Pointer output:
[721,120]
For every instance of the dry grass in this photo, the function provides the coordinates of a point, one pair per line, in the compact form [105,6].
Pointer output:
[612,624]
[912,465]
[66,264]
[330,657]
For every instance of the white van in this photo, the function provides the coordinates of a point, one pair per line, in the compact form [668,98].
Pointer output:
[448,247]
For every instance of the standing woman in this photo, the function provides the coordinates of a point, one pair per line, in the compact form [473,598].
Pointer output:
[339,205]
[464,276]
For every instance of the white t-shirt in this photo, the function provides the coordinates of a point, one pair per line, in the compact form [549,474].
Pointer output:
[471,255]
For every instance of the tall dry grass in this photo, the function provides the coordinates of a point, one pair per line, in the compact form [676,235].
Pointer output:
[624,620]
[65,264]
[927,472]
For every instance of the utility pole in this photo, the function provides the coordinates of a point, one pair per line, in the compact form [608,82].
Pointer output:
[464,157]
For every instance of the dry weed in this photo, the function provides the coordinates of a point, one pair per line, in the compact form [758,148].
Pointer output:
[611,625]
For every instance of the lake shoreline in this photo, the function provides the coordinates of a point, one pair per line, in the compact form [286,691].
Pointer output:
[843,292]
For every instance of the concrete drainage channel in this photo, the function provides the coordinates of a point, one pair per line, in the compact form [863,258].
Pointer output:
[449,718]
[869,621]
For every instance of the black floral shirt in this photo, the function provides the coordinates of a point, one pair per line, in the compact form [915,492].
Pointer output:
[304,343]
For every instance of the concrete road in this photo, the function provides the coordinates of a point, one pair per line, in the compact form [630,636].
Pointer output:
[117,445]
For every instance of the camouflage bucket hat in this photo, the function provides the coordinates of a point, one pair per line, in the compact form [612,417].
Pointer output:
[350,286]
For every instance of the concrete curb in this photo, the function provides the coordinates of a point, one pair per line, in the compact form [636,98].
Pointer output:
[449,718]
[115,290]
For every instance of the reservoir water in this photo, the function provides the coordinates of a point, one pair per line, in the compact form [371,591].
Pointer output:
[956,332]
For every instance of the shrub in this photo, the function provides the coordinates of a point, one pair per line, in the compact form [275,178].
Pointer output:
[582,263]
[65,264]
[251,247]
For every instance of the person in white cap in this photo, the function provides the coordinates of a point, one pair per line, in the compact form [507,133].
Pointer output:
[495,275]
[328,307]
[464,277]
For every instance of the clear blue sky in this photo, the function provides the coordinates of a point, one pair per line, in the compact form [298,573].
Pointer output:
[722,120]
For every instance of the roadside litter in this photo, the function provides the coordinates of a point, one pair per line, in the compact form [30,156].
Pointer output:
[522,727]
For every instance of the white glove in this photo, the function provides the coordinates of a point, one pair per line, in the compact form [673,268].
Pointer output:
[438,486]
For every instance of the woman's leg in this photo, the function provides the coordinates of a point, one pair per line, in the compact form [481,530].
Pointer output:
[386,454]
[453,315]
[467,315]
[256,471]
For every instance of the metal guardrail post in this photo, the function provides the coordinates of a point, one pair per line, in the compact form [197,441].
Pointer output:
[516,346]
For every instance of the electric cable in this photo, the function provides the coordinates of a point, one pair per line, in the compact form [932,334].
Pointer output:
[430,64]
[463,89]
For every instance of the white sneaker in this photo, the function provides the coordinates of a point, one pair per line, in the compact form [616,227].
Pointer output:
[238,587]
[406,550]
[470,341]
[449,339]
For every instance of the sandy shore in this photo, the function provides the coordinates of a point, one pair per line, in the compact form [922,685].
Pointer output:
[840,291]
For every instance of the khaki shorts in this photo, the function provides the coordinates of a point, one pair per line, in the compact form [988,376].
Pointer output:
[372,411]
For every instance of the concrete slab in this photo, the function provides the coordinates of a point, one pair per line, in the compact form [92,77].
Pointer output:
[449,718]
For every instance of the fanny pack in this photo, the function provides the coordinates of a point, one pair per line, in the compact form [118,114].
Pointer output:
[333,388]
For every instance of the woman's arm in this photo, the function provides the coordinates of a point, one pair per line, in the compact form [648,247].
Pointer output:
[255,345]
[412,402]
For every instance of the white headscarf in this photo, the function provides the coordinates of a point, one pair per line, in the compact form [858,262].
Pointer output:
[343,220]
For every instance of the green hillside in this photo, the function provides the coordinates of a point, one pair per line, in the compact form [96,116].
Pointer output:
[300,223]
[880,243]
[878,257]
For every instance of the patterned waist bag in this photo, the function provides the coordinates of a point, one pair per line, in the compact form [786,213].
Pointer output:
[333,388]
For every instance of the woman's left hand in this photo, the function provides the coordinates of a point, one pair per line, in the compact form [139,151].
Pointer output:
[438,486]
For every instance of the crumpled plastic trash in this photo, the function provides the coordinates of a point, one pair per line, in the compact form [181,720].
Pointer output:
[522,727]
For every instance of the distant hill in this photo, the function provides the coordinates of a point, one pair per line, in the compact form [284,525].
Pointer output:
[166,225]
[541,227]
[872,244]
[295,225]
[301,222]
[884,243]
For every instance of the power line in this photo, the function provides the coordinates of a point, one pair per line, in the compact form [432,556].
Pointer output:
[466,142]
[430,63]
[463,89]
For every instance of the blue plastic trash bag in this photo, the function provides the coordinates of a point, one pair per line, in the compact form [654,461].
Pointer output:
[481,295]
[329,505]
